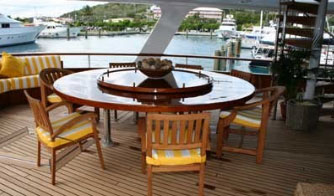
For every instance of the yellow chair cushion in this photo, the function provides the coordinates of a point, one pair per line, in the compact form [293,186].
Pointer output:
[11,66]
[53,98]
[76,132]
[24,82]
[248,118]
[175,157]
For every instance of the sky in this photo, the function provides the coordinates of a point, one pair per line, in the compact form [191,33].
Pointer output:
[35,8]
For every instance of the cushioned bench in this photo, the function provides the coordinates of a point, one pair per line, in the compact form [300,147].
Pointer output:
[11,88]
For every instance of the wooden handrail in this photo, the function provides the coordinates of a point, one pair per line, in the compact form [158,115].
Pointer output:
[138,54]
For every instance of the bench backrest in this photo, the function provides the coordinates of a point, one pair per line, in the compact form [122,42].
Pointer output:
[35,64]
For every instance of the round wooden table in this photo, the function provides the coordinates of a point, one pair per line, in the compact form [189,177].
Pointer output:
[82,88]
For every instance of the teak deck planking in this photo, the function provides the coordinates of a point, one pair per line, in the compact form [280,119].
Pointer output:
[290,157]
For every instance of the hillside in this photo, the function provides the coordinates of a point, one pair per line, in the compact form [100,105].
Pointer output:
[107,11]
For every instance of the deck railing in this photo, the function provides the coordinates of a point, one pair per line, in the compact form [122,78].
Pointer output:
[179,58]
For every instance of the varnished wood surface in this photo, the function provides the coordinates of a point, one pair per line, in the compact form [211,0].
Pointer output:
[290,157]
[82,88]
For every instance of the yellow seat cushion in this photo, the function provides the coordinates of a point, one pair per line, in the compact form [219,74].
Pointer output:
[24,82]
[53,98]
[11,66]
[74,133]
[248,118]
[175,157]
[5,85]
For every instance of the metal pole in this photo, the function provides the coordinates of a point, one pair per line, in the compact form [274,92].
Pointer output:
[316,50]
[107,141]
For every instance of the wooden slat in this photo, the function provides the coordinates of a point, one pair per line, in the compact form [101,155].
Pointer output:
[303,20]
[302,7]
[302,43]
[299,32]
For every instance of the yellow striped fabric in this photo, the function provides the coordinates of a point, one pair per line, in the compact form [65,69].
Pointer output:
[5,85]
[35,64]
[24,82]
[249,118]
[175,157]
[74,133]
[53,98]
[170,136]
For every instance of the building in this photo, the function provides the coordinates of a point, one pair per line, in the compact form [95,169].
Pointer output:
[203,12]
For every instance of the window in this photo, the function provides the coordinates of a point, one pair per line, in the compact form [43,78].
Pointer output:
[5,25]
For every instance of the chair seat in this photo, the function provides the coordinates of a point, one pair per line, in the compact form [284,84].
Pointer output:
[53,98]
[248,118]
[72,134]
[175,157]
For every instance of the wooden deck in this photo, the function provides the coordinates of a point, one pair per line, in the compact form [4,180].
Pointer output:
[290,157]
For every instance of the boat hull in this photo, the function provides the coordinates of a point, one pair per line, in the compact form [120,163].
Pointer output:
[60,32]
[19,35]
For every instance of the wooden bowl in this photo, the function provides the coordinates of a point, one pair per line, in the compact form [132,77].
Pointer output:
[155,73]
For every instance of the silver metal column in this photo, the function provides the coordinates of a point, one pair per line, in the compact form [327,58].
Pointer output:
[107,141]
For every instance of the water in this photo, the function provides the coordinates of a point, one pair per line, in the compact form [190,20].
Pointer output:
[180,44]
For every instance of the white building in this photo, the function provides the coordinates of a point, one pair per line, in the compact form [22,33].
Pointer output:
[204,12]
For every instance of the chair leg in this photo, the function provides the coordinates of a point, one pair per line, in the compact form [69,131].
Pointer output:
[220,140]
[201,179]
[99,151]
[97,112]
[115,115]
[149,180]
[260,145]
[143,162]
[53,167]
[38,153]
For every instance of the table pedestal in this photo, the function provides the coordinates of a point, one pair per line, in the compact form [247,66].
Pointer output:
[107,141]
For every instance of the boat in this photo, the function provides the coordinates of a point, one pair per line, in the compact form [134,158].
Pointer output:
[264,52]
[57,30]
[13,32]
[228,28]
[251,39]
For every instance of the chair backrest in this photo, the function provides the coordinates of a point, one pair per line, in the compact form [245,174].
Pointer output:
[122,65]
[41,117]
[240,74]
[177,132]
[50,75]
[197,67]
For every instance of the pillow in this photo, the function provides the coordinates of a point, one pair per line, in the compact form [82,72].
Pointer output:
[11,66]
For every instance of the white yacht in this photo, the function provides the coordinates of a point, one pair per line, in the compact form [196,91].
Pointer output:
[57,30]
[228,28]
[253,38]
[13,32]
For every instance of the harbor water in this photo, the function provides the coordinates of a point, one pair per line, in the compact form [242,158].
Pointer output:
[180,44]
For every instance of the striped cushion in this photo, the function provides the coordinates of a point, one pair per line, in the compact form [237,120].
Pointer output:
[35,64]
[24,82]
[53,98]
[175,157]
[249,118]
[76,132]
[170,136]
[5,85]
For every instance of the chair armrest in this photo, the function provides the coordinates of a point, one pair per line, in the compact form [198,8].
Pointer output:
[74,121]
[56,105]
[251,105]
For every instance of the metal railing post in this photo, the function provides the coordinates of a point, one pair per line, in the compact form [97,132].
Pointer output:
[88,61]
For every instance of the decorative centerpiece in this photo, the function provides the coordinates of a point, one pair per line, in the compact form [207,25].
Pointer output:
[155,68]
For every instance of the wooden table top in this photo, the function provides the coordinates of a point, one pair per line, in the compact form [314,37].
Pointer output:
[82,88]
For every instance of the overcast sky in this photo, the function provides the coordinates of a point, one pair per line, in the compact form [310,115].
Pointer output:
[33,8]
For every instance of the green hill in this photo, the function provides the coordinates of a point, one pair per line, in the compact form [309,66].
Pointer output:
[107,11]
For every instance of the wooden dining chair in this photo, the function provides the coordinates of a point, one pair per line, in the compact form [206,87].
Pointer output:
[55,135]
[252,116]
[241,74]
[47,77]
[175,143]
[186,66]
[122,65]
